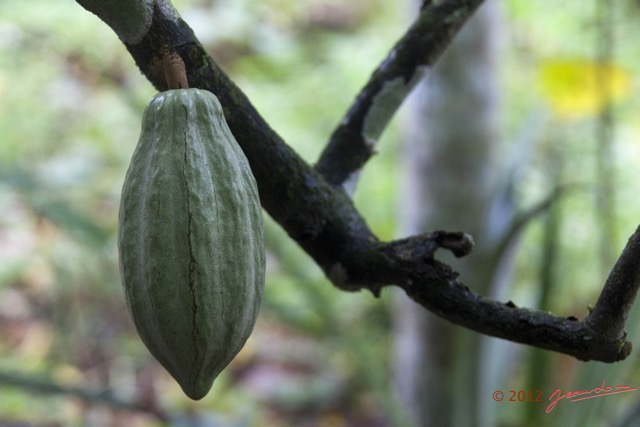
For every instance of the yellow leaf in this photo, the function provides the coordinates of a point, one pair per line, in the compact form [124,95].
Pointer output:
[579,88]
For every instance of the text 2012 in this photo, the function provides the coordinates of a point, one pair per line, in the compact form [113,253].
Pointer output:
[518,396]
[525,396]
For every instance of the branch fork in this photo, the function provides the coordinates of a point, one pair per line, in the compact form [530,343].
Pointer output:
[312,205]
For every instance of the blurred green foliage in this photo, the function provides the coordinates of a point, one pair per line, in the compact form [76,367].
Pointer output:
[71,101]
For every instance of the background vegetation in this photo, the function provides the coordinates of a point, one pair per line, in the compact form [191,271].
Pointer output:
[71,101]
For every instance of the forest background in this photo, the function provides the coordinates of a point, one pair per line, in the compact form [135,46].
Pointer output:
[71,101]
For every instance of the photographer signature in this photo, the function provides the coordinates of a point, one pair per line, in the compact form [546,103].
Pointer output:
[576,395]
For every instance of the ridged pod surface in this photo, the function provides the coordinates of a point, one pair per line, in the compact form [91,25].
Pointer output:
[190,239]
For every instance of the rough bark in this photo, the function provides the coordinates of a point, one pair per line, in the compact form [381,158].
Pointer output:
[321,217]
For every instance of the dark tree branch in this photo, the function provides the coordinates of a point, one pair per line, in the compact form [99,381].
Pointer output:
[409,264]
[614,304]
[354,141]
[322,218]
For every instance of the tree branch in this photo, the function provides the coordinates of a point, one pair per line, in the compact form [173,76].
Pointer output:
[354,141]
[524,218]
[319,217]
[614,304]
[323,220]
[435,286]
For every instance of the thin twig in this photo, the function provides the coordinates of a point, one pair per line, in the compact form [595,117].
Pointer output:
[354,141]
[525,217]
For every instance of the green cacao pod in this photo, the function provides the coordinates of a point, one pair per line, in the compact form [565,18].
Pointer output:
[190,239]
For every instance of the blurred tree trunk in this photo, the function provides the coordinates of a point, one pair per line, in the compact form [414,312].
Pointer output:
[450,165]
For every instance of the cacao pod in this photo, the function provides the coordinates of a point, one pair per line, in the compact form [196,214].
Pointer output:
[190,239]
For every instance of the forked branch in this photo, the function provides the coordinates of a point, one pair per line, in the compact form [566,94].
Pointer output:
[321,217]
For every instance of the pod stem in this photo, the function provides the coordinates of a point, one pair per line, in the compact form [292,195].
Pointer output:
[175,72]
